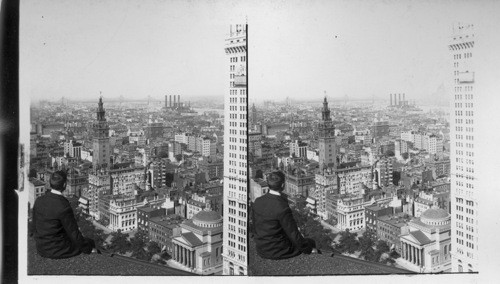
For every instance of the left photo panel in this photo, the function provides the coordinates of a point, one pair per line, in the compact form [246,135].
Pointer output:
[134,129]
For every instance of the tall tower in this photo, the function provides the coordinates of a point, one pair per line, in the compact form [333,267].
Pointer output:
[464,203]
[327,146]
[235,154]
[254,115]
[101,155]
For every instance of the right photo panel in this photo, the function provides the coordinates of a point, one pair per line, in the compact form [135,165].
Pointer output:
[361,139]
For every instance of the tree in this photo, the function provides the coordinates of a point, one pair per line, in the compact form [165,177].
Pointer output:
[141,254]
[348,242]
[178,157]
[259,174]
[366,244]
[153,248]
[119,242]
[405,156]
[389,153]
[138,242]
[87,228]
[310,227]
[382,247]
[32,173]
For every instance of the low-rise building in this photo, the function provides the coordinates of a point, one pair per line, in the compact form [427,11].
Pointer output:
[162,230]
[427,245]
[36,189]
[372,213]
[391,227]
[199,245]
[145,213]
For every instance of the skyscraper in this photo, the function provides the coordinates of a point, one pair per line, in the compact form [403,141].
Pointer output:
[101,147]
[235,154]
[327,147]
[464,211]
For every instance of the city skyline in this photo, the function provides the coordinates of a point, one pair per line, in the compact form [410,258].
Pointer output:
[354,49]
[323,76]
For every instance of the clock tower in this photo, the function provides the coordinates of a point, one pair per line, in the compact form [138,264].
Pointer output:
[101,153]
[326,135]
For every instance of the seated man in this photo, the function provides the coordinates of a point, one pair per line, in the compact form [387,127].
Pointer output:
[276,234]
[54,225]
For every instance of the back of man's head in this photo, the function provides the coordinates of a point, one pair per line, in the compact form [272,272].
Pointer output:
[58,181]
[275,180]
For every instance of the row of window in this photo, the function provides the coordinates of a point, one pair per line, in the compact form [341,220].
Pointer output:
[235,59]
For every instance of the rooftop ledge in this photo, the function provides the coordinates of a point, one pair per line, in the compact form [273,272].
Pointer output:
[316,264]
[96,264]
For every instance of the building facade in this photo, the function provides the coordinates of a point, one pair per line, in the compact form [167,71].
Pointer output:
[198,247]
[162,230]
[427,245]
[125,180]
[352,180]
[99,184]
[235,154]
[464,211]
[36,189]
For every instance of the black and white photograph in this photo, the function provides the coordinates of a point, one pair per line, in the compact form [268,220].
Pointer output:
[249,140]
[137,141]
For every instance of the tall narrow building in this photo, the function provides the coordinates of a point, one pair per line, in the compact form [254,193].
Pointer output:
[326,135]
[101,146]
[235,154]
[464,205]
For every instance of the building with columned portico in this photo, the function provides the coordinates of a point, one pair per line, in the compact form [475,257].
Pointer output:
[198,246]
[427,245]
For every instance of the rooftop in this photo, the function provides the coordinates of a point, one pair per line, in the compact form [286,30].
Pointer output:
[317,264]
[435,214]
[95,264]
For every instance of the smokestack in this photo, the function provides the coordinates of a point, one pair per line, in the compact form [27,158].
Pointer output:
[399,99]
[179,100]
[175,104]
[170,101]
[166,101]
[404,100]
[391,98]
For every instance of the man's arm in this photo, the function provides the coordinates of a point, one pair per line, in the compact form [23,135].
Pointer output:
[71,227]
[289,225]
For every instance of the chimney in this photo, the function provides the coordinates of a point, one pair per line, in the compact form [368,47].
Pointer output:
[391,98]
[175,104]
[399,99]
[179,100]
[404,100]
[170,101]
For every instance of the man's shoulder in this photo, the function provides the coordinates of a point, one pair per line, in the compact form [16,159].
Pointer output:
[278,201]
[52,199]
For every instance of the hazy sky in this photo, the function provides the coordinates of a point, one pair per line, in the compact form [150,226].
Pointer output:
[297,48]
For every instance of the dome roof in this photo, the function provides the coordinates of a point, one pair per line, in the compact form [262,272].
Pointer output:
[435,217]
[207,217]
[435,214]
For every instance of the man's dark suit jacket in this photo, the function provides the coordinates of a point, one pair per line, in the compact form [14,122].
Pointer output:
[55,228]
[276,234]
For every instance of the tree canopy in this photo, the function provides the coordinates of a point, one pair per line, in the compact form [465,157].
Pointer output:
[311,227]
[119,242]
[348,242]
